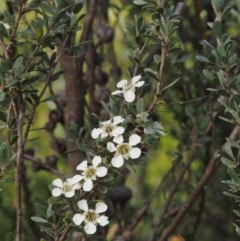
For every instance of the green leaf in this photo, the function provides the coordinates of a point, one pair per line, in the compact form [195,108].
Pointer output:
[51,98]
[233,175]
[10,179]
[173,50]
[13,140]
[150,73]
[2,96]
[58,15]
[107,178]
[78,7]
[18,62]
[202,59]
[73,130]
[237,212]
[47,8]
[228,162]
[8,18]
[233,143]
[232,195]
[157,58]
[105,106]
[208,74]
[39,220]
[217,28]
[103,189]
[139,2]
[3,31]
[170,85]
[129,167]
[140,105]
[2,116]
[226,11]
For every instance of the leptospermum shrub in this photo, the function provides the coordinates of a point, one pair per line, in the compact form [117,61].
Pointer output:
[114,146]
[122,128]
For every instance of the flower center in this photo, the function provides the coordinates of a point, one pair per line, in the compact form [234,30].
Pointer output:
[129,86]
[124,149]
[90,172]
[91,216]
[66,187]
[109,128]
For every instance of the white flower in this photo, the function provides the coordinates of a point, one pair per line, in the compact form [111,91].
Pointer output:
[155,127]
[67,188]
[128,88]
[109,128]
[90,173]
[125,150]
[91,217]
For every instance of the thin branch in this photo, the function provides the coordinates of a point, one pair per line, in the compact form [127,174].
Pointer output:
[44,166]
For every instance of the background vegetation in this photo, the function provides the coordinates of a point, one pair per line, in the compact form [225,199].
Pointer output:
[153,196]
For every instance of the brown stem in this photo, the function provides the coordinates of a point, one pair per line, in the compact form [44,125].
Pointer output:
[18,167]
[44,166]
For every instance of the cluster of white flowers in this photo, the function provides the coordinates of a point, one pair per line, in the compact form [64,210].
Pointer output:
[89,173]
[122,150]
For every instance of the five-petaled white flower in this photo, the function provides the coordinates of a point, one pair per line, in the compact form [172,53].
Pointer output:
[156,127]
[128,88]
[67,188]
[91,217]
[125,150]
[91,172]
[110,128]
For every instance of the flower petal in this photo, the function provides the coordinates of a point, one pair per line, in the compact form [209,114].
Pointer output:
[101,172]
[78,218]
[129,96]
[136,78]
[96,161]
[90,228]
[117,119]
[82,166]
[121,83]
[96,132]
[139,84]
[103,220]
[88,185]
[118,139]
[57,182]
[56,192]
[111,147]
[100,207]
[116,92]
[75,179]
[135,153]
[117,161]
[118,131]
[134,139]
[77,186]
[69,193]
[83,205]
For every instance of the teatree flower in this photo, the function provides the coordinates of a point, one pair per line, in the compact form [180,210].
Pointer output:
[109,128]
[90,173]
[91,217]
[128,88]
[125,150]
[156,127]
[67,188]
